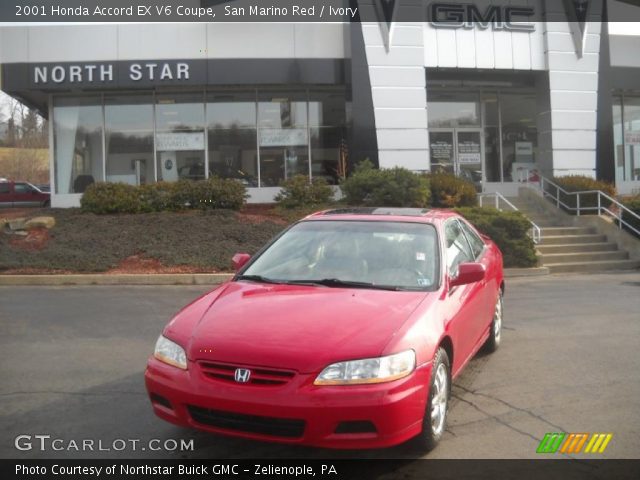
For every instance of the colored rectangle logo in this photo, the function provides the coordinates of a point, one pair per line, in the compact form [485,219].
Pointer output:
[574,443]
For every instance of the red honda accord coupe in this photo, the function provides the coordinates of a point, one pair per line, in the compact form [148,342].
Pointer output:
[345,332]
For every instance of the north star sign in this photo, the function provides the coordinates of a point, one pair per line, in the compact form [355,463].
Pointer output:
[510,17]
[107,73]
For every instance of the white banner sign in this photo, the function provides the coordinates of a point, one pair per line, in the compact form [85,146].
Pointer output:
[174,141]
[466,158]
[632,137]
[283,137]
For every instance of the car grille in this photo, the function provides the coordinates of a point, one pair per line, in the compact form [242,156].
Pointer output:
[277,427]
[259,376]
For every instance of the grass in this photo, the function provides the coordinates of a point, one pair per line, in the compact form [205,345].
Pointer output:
[85,242]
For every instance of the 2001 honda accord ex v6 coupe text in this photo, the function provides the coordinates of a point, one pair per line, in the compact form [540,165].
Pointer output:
[345,332]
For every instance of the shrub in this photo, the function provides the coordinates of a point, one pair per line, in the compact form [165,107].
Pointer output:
[633,204]
[213,193]
[217,193]
[449,191]
[581,183]
[510,232]
[101,197]
[158,197]
[395,187]
[298,191]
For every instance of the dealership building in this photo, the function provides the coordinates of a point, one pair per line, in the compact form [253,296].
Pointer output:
[490,97]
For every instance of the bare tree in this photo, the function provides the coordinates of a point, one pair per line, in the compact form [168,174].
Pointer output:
[26,157]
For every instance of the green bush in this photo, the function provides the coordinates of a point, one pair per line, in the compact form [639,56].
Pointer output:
[103,198]
[213,193]
[449,191]
[633,204]
[510,232]
[394,187]
[159,197]
[298,191]
[216,193]
[581,183]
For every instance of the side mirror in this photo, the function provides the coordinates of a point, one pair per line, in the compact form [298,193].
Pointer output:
[239,260]
[468,273]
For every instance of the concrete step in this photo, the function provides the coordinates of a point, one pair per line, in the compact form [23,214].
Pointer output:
[570,239]
[593,266]
[549,220]
[575,257]
[577,247]
[564,230]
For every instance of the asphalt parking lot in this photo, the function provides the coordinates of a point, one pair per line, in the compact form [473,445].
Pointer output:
[73,358]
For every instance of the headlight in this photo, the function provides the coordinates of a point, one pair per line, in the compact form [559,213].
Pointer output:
[170,352]
[368,370]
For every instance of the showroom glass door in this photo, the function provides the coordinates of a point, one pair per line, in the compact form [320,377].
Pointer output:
[442,150]
[458,151]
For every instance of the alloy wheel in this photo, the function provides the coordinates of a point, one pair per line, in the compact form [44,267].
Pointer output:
[439,399]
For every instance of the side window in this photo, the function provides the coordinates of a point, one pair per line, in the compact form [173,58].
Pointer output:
[21,188]
[474,240]
[458,250]
[4,187]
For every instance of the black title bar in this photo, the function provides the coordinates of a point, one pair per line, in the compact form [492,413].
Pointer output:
[302,469]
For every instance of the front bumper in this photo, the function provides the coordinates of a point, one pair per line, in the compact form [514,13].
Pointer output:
[329,416]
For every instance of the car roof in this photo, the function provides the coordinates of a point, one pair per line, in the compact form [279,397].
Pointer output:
[393,214]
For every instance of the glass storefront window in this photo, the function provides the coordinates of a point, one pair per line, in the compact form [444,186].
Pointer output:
[129,139]
[449,110]
[519,133]
[626,134]
[283,137]
[506,122]
[257,136]
[231,124]
[327,121]
[180,137]
[78,143]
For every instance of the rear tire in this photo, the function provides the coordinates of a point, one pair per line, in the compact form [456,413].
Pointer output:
[46,204]
[495,333]
[435,417]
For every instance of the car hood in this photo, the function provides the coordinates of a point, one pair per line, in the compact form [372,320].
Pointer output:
[297,327]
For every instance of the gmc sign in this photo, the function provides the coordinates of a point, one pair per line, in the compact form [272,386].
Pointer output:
[458,15]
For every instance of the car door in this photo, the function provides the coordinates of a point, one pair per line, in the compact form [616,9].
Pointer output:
[24,195]
[6,199]
[464,302]
[480,255]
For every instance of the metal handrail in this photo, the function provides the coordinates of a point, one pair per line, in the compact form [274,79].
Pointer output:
[536,232]
[600,208]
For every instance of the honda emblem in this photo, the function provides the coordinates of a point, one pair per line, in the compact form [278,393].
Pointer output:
[242,375]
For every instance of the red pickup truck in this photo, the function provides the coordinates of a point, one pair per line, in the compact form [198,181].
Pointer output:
[22,194]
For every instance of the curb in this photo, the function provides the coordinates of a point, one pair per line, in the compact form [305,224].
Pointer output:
[120,279]
[525,272]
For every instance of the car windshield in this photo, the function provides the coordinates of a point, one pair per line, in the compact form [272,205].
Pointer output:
[357,254]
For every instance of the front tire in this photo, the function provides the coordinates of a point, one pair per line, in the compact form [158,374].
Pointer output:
[495,334]
[435,417]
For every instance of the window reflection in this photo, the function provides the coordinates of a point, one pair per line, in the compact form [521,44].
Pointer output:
[257,136]
[453,110]
[129,139]
[519,134]
[283,137]
[78,143]
[180,137]
[626,134]
[231,123]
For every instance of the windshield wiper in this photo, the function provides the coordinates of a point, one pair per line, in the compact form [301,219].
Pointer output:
[335,282]
[258,278]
